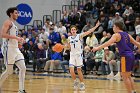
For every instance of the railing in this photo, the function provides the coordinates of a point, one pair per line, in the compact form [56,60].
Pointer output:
[46,17]
[56,16]
[37,24]
[66,7]
[26,27]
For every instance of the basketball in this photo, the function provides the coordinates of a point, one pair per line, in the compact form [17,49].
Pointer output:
[58,47]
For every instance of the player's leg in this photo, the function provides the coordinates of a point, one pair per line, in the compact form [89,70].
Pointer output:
[22,70]
[132,83]
[9,61]
[5,74]
[80,74]
[71,67]
[126,68]
[126,78]
[79,62]
[73,75]
[20,63]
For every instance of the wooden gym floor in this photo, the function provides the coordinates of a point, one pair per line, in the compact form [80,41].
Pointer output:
[60,83]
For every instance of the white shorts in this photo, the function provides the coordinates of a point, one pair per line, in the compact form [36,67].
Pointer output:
[76,60]
[12,55]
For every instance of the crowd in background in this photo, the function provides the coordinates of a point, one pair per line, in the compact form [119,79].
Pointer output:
[37,48]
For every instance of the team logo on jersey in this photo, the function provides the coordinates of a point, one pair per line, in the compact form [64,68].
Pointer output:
[25,14]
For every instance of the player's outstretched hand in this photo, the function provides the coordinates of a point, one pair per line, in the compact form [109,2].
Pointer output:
[95,49]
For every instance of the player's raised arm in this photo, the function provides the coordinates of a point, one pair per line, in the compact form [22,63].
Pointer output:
[134,41]
[108,43]
[91,30]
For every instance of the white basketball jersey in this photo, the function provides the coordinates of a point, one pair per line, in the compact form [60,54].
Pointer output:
[11,42]
[76,44]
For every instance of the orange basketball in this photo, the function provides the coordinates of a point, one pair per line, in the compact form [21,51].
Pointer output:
[58,47]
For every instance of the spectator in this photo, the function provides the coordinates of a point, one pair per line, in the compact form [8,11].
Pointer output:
[47,25]
[91,40]
[108,56]
[56,58]
[112,10]
[88,6]
[130,19]
[61,29]
[126,12]
[98,59]
[54,37]
[81,6]
[115,63]
[89,58]
[119,9]
[110,25]
[43,36]
[41,57]
[137,61]
[118,18]
[31,51]
[64,38]
[137,25]
[108,36]
[104,37]
[66,57]
[104,21]
[86,28]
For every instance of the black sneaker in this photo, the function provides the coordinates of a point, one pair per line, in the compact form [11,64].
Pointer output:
[22,91]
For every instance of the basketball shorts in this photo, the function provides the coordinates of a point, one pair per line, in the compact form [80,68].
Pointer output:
[127,63]
[12,55]
[76,60]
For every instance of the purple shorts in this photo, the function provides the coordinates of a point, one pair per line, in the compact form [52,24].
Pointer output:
[127,63]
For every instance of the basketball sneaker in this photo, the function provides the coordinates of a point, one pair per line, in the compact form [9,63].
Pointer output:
[117,76]
[82,86]
[76,83]
[134,92]
[22,91]
[111,75]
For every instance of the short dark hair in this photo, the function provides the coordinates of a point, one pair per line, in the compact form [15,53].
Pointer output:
[11,10]
[119,24]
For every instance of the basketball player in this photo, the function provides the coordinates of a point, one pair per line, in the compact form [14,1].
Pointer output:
[76,50]
[11,52]
[123,41]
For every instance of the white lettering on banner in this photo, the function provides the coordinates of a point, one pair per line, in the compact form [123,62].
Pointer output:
[25,14]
